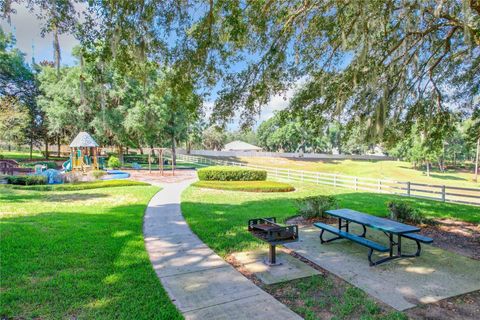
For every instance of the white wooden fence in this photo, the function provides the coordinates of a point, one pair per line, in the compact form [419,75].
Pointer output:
[408,189]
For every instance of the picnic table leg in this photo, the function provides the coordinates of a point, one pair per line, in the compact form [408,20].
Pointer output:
[399,245]
[390,237]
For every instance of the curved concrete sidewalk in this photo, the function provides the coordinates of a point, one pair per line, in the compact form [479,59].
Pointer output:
[200,283]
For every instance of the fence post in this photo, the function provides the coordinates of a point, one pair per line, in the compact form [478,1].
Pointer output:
[318,178]
[356,183]
[408,188]
[334,180]
[443,193]
[288,174]
[379,187]
[302,175]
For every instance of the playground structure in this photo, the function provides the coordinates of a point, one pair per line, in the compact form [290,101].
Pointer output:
[84,153]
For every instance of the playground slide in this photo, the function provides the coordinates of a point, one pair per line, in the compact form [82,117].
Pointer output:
[67,165]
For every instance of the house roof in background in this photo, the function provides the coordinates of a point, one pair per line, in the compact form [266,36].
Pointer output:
[240,145]
[83,139]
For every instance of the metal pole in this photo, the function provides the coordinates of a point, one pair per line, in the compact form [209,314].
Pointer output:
[272,255]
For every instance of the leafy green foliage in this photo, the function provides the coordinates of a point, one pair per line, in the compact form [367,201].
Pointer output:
[251,186]
[27,180]
[213,138]
[315,206]
[402,211]
[113,162]
[226,173]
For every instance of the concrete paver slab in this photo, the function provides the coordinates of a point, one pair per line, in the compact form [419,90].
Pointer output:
[435,275]
[260,307]
[290,269]
[205,288]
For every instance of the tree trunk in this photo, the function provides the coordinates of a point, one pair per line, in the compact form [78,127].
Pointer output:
[140,149]
[174,155]
[174,151]
[58,146]
[31,146]
[56,49]
[9,147]
[476,161]
[428,168]
[120,154]
[46,148]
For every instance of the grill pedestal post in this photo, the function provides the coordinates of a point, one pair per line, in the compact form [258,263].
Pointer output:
[272,256]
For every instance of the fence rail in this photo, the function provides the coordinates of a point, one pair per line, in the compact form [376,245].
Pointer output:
[401,188]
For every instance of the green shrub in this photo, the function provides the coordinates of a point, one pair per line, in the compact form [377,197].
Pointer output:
[221,173]
[113,162]
[97,174]
[402,211]
[315,206]
[250,186]
[27,180]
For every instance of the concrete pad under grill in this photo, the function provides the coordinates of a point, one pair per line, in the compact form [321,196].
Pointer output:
[289,269]
[403,283]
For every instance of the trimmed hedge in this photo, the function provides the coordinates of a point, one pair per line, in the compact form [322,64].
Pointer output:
[84,185]
[250,186]
[224,173]
[27,180]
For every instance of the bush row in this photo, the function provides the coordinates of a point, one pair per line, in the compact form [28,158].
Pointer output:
[27,180]
[224,173]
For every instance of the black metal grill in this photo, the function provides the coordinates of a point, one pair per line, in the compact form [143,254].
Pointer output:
[268,230]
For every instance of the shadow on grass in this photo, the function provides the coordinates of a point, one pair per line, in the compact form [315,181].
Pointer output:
[447,177]
[89,264]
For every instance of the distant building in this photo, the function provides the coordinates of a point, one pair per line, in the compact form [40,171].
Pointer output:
[240,146]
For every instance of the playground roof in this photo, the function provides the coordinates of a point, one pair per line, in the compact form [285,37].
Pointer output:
[83,139]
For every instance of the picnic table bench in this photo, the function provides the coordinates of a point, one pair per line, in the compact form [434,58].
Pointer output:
[388,227]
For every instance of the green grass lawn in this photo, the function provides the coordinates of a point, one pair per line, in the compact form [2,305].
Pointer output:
[21,155]
[220,217]
[78,255]
[394,170]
